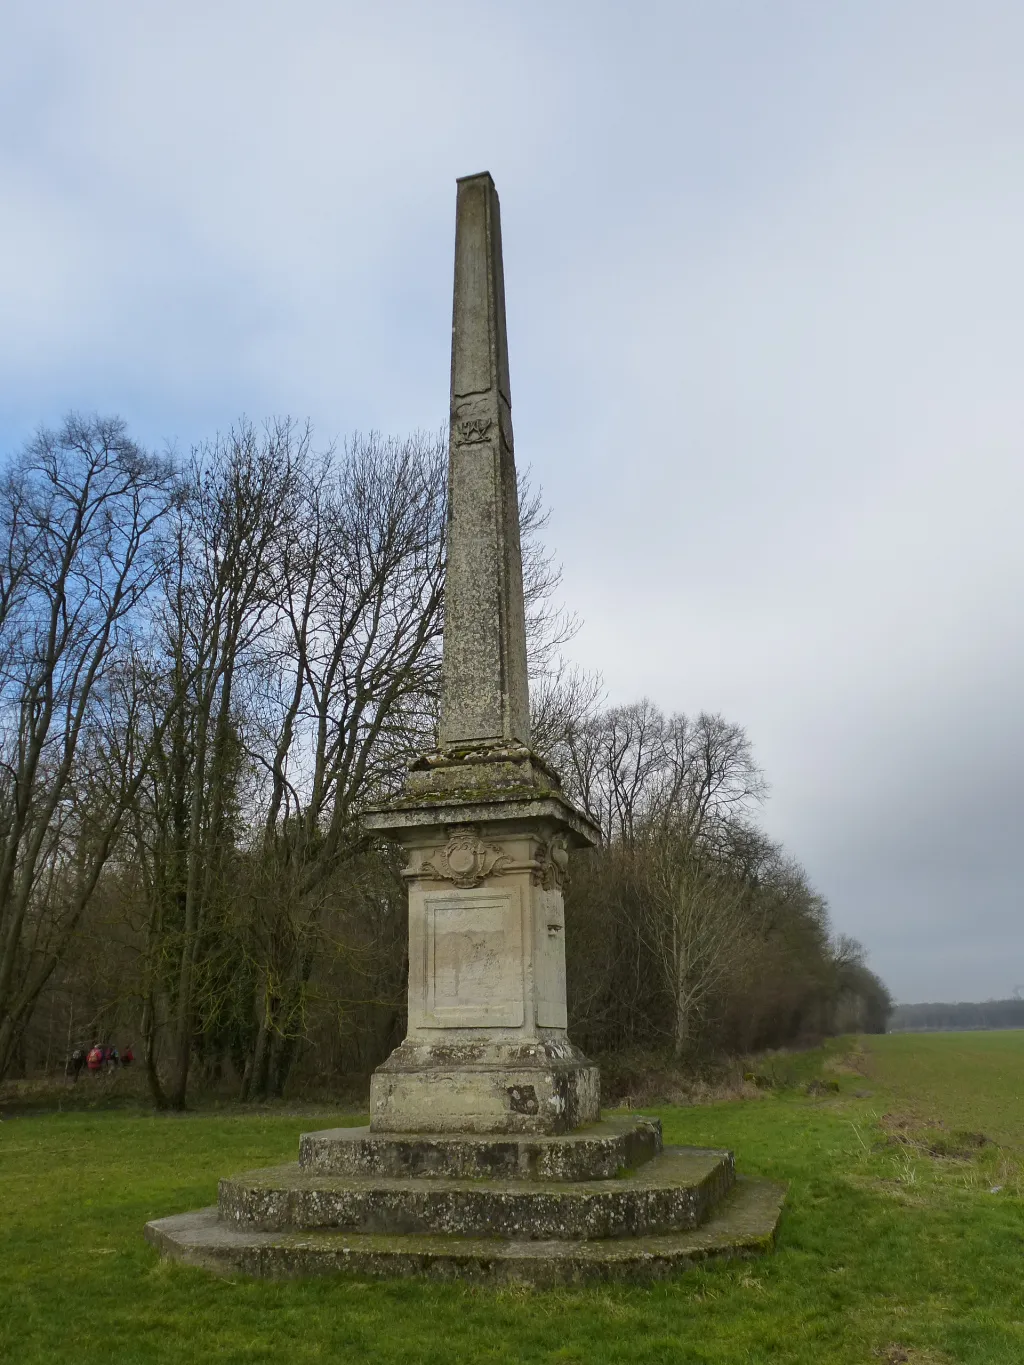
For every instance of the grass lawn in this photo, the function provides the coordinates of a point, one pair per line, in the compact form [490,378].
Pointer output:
[893,1246]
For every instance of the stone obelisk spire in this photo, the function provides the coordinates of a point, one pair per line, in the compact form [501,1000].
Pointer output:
[485,696]
[482,818]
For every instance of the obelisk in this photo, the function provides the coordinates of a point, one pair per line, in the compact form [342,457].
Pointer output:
[483,819]
[485,696]
[486,1157]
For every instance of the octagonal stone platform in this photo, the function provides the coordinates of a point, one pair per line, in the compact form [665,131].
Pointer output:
[607,1202]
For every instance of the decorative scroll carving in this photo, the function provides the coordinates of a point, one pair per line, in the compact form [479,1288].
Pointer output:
[553,863]
[466,860]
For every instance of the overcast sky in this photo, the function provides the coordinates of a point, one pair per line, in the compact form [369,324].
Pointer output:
[765,276]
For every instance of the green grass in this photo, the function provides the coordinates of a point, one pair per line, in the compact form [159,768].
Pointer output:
[886,1251]
[972,1080]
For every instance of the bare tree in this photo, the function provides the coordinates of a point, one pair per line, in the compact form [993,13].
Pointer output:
[672,795]
[696,907]
[78,515]
[219,582]
[614,764]
[350,698]
[301,623]
[697,917]
[563,699]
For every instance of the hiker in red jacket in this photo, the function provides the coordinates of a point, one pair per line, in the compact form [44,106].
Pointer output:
[94,1061]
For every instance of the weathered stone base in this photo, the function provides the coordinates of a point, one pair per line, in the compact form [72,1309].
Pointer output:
[598,1152]
[542,1087]
[672,1193]
[606,1202]
[743,1224]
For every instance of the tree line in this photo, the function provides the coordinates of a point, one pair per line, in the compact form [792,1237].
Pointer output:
[209,666]
[956,1017]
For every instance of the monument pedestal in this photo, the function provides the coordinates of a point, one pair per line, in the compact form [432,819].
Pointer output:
[486,1049]
[545,1087]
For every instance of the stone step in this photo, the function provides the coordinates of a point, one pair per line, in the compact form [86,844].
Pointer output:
[674,1191]
[598,1152]
[742,1224]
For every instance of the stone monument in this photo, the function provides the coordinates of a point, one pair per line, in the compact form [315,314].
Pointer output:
[486,1155]
[484,823]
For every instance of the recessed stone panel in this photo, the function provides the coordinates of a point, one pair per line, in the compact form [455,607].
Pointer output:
[473,967]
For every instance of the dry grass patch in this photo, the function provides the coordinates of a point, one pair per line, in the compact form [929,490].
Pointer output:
[895,1354]
[852,1060]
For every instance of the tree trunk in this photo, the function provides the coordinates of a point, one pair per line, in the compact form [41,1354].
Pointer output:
[149,1045]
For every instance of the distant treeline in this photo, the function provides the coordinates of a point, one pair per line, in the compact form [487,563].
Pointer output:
[986,1014]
